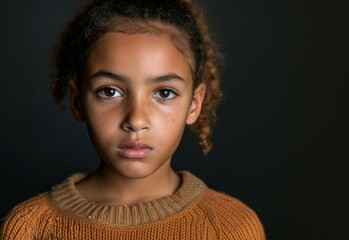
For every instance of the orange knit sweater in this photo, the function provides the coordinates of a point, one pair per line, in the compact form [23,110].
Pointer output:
[192,212]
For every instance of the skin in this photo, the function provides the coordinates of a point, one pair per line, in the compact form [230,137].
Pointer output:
[136,98]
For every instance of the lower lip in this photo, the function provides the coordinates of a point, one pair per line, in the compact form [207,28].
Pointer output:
[134,153]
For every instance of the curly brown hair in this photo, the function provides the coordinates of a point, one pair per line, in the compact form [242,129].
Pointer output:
[182,19]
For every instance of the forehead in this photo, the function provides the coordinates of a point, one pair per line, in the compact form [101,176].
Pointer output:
[137,55]
[179,37]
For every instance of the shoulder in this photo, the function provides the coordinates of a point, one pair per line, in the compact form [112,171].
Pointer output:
[233,218]
[21,221]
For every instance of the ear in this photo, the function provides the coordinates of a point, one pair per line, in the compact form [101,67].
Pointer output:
[196,103]
[75,101]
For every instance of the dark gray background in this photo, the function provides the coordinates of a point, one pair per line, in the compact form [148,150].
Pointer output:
[281,140]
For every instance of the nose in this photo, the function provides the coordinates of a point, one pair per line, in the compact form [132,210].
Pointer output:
[136,117]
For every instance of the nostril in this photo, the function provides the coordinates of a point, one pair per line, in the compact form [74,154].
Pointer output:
[129,129]
[134,127]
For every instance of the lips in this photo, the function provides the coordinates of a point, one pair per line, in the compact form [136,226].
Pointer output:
[134,149]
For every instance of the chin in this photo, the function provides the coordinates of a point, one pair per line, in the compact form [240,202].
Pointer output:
[136,171]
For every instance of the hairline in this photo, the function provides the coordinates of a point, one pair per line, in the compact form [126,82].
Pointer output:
[127,25]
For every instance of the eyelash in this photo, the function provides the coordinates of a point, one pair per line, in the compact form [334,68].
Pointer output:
[102,92]
[170,93]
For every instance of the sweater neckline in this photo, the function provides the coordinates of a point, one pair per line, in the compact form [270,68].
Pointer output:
[66,197]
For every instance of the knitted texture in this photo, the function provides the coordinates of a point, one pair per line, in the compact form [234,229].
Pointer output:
[192,212]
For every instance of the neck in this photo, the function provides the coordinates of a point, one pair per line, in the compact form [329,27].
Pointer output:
[66,197]
[107,187]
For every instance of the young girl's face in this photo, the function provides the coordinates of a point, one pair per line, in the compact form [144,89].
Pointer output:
[136,98]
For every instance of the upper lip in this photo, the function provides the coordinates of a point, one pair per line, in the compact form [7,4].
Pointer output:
[135,145]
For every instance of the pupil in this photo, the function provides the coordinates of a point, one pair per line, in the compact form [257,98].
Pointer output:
[164,93]
[110,92]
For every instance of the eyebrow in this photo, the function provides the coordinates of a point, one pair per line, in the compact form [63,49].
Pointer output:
[167,77]
[118,77]
[107,74]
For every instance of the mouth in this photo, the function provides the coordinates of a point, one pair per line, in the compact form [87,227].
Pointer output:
[134,149]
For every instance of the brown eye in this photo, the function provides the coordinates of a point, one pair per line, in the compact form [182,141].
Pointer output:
[165,94]
[109,92]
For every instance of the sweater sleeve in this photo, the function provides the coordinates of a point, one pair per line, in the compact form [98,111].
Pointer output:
[235,219]
[22,220]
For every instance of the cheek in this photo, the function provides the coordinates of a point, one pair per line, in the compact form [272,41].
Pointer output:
[170,134]
[101,124]
[171,120]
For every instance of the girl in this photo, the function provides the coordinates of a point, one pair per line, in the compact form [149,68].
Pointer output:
[138,73]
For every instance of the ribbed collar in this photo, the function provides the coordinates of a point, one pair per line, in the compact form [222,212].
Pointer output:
[67,198]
